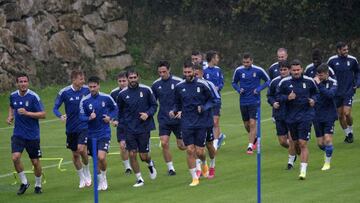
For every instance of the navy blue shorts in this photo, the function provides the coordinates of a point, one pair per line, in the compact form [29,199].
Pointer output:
[216,110]
[322,128]
[32,146]
[300,130]
[102,144]
[75,138]
[343,101]
[120,133]
[281,127]
[196,137]
[167,129]
[209,134]
[248,112]
[138,142]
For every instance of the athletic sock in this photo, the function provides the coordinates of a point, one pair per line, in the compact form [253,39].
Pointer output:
[86,169]
[347,130]
[103,173]
[193,173]
[81,173]
[250,145]
[170,166]
[212,163]
[350,128]
[328,152]
[303,167]
[138,176]
[23,178]
[126,164]
[38,181]
[291,159]
[151,163]
[198,164]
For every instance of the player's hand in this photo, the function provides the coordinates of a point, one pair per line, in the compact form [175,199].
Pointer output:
[106,118]
[317,80]
[9,120]
[22,111]
[255,92]
[276,105]
[292,95]
[63,117]
[199,109]
[178,115]
[171,114]
[241,91]
[217,88]
[115,123]
[143,116]
[92,115]
[311,102]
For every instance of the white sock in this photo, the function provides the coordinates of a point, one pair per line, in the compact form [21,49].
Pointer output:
[193,173]
[22,177]
[250,145]
[291,159]
[327,159]
[170,166]
[215,143]
[138,176]
[151,163]
[103,173]
[86,169]
[212,163]
[127,164]
[81,173]
[38,181]
[198,164]
[350,128]
[303,167]
[347,130]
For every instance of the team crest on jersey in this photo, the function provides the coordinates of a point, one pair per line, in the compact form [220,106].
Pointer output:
[103,104]
[207,76]
[304,85]
[172,86]
[141,94]
[348,63]
[198,89]
[77,98]
[276,70]
[27,103]
[71,99]
[243,75]
[254,75]
[90,106]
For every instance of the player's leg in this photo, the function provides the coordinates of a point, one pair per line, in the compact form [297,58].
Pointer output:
[17,147]
[132,147]
[103,148]
[33,149]
[348,121]
[212,152]
[164,133]
[124,154]
[82,150]
[328,137]
[189,140]
[144,146]
[304,130]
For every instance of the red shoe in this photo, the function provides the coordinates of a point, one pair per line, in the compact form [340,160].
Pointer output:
[211,173]
[198,173]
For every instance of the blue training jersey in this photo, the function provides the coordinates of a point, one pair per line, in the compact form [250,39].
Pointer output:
[71,99]
[164,91]
[114,94]
[190,95]
[274,70]
[347,74]
[310,71]
[215,75]
[299,109]
[133,101]
[25,126]
[325,108]
[278,114]
[249,80]
[101,104]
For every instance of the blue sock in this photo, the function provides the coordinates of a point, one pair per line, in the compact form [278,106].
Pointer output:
[329,150]
[322,147]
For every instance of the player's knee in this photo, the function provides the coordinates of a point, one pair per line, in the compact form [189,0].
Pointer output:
[143,156]
[164,144]
[15,158]
[122,147]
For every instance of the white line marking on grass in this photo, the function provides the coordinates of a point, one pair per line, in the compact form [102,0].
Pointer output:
[41,122]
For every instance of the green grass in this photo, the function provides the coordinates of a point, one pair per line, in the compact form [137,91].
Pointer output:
[235,179]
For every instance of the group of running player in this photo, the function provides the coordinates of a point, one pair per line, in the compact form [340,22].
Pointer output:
[190,108]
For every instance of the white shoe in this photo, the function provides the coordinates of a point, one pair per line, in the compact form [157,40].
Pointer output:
[100,182]
[153,172]
[139,183]
[105,184]
[82,183]
[88,181]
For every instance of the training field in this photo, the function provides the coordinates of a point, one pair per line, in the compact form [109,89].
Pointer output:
[235,179]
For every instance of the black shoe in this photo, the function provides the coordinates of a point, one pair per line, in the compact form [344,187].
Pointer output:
[171,173]
[128,171]
[349,138]
[289,167]
[295,158]
[22,189]
[37,190]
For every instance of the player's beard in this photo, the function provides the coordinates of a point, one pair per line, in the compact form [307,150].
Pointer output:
[134,84]
[189,78]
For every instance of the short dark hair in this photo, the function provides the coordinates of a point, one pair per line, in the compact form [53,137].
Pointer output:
[122,74]
[194,53]
[247,55]
[131,71]
[198,67]
[295,62]
[210,55]
[322,68]
[75,73]
[94,79]
[340,45]
[22,74]
[188,64]
[316,54]
[284,64]
[164,63]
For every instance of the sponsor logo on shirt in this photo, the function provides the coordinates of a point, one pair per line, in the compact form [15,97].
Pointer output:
[90,106]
